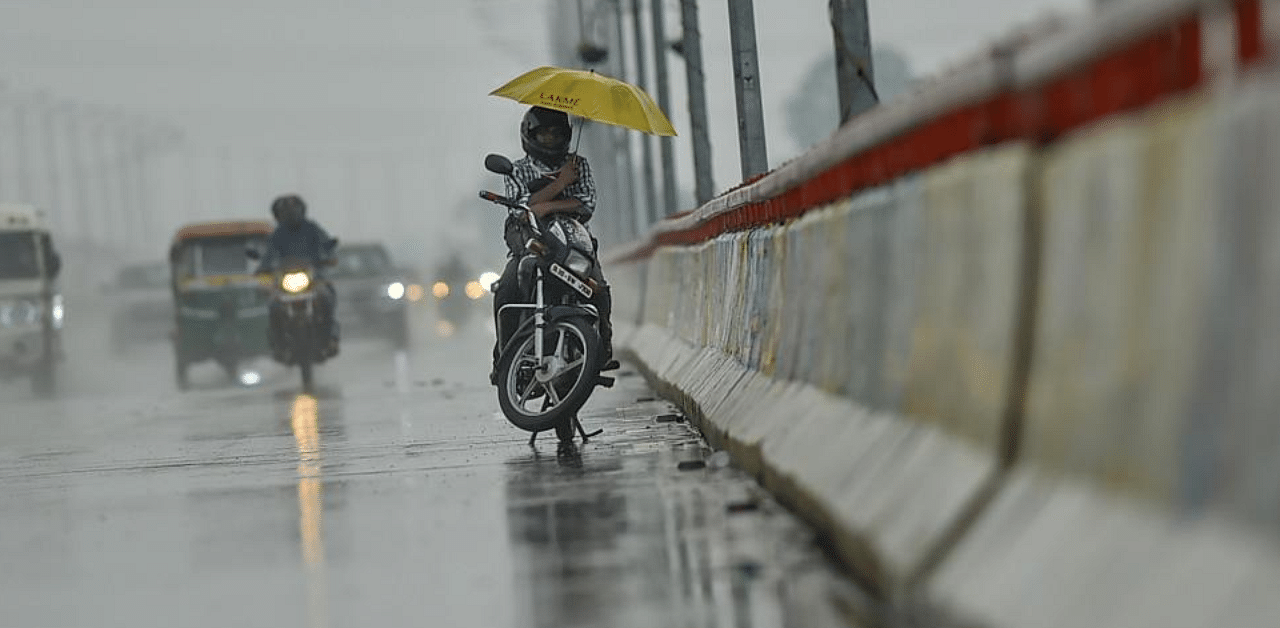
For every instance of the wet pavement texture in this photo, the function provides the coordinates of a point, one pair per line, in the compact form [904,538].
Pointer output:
[395,495]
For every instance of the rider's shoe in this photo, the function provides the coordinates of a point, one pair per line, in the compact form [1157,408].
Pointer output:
[606,358]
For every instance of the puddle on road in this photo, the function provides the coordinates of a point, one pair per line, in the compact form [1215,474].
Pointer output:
[614,533]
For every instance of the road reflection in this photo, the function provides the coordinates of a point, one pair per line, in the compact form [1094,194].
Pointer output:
[304,418]
[609,537]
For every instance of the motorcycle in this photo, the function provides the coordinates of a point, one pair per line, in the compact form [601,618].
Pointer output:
[301,317]
[551,363]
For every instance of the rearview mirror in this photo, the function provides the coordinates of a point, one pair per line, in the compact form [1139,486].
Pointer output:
[252,252]
[498,164]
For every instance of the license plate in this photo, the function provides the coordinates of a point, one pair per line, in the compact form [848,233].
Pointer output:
[568,278]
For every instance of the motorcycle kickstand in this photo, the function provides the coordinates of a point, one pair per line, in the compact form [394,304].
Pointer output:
[583,433]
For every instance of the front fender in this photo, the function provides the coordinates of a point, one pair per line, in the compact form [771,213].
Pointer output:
[557,312]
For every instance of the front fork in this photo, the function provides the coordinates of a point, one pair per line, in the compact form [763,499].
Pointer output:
[539,319]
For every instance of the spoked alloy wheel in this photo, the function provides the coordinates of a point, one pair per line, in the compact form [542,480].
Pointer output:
[539,393]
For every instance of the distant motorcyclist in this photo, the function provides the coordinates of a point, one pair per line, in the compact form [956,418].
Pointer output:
[298,238]
[549,180]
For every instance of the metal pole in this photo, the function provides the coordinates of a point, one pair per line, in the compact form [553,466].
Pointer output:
[4,154]
[142,189]
[55,208]
[648,214]
[22,140]
[855,80]
[108,200]
[130,193]
[622,138]
[349,220]
[746,88]
[664,103]
[394,195]
[79,177]
[704,186]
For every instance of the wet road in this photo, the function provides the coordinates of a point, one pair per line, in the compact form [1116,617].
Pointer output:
[394,496]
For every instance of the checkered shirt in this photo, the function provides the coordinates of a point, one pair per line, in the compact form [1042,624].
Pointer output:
[529,169]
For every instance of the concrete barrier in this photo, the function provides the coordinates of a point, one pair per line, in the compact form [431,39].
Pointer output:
[839,297]
[966,308]
[1031,378]
[1127,256]
[1229,449]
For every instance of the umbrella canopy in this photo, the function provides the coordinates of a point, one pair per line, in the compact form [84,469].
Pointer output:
[588,95]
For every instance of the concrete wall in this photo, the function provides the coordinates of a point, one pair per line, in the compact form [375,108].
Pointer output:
[1035,382]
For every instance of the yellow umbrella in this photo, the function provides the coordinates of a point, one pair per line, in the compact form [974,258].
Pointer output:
[588,95]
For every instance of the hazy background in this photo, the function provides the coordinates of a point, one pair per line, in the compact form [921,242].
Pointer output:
[376,112]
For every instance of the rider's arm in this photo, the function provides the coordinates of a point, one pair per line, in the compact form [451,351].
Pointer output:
[564,205]
[568,174]
[577,185]
[517,189]
[270,256]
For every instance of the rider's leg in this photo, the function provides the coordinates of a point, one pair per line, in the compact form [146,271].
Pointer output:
[507,291]
[603,300]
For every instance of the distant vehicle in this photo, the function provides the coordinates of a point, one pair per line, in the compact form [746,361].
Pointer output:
[301,329]
[372,293]
[31,307]
[143,310]
[456,291]
[219,303]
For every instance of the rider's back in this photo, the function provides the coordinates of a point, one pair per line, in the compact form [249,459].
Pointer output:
[307,241]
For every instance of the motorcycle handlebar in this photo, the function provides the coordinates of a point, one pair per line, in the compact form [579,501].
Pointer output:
[494,197]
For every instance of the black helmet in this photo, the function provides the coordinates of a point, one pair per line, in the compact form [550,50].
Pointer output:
[290,210]
[545,135]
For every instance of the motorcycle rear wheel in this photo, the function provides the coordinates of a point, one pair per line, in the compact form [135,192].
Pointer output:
[534,403]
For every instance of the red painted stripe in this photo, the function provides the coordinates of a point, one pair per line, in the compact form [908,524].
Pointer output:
[1249,31]
[1154,67]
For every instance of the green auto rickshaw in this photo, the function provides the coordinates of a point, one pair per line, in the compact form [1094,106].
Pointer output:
[220,305]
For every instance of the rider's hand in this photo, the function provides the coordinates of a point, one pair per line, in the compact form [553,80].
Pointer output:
[569,171]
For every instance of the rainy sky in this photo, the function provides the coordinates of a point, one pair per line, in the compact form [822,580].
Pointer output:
[267,91]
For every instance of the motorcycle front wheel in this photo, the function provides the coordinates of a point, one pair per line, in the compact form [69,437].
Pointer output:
[542,392]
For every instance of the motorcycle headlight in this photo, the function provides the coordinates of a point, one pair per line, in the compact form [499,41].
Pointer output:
[295,282]
[395,291]
[577,262]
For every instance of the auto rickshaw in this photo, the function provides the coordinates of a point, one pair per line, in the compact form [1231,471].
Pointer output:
[220,305]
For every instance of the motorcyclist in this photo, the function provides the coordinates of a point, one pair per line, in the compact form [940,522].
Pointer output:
[549,180]
[297,237]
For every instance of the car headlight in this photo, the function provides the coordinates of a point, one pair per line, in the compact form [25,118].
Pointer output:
[59,311]
[295,282]
[440,289]
[395,291]
[577,262]
[487,279]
